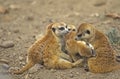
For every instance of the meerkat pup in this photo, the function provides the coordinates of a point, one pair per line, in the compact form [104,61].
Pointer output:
[105,60]
[48,50]
[77,49]
[74,46]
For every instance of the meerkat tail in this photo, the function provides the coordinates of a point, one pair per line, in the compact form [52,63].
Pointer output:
[63,64]
[25,68]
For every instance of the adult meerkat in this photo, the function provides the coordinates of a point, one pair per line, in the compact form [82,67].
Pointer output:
[78,49]
[48,50]
[105,60]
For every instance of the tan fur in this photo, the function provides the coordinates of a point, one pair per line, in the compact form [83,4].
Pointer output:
[77,47]
[47,50]
[105,55]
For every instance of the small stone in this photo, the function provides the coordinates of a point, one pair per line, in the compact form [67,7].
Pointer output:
[100,3]
[30,76]
[71,75]
[30,18]
[27,76]
[4,61]
[7,44]
[53,70]
[3,10]
[33,3]
[7,18]
[5,66]
[16,31]
[20,58]
[9,33]
[51,20]
[95,15]
[11,69]
[77,73]
[107,22]
[22,63]
[76,13]
[113,15]
[14,7]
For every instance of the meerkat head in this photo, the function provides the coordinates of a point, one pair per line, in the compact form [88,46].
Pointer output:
[59,29]
[72,32]
[71,28]
[85,32]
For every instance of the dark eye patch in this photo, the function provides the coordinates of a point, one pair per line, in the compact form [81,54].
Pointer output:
[69,29]
[66,26]
[79,35]
[53,29]
[61,28]
[87,31]
[74,30]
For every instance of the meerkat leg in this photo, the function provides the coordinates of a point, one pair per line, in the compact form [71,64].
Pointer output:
[74,58]
[62,63]
[85,59]
[65,56]
[78,62]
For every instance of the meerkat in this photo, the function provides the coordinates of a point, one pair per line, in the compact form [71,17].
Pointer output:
[62,41]
[73,46]
[105,60]
[78,49]
[48,50]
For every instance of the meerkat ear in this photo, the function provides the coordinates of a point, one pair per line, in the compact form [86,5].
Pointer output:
[50,26]
[53,29]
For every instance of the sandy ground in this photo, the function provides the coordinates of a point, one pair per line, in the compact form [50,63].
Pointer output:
[25,19]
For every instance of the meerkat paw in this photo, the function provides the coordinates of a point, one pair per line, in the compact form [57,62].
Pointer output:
[77,63]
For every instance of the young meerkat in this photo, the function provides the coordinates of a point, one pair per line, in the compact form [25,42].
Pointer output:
[73,46]
[105,60]
[78,49]
[48,50]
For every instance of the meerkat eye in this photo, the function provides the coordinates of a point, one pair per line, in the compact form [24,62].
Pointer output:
[66,26]
[61,28]
[87,31]
[74,30]
[69,29]
[79,35]
[53,29]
